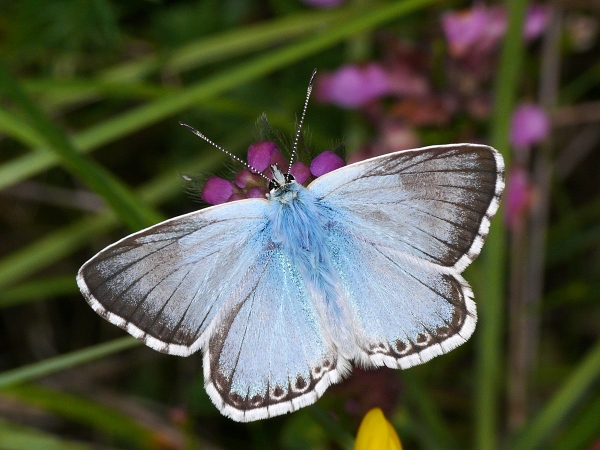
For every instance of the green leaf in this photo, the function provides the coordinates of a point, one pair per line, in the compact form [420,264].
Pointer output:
[66,361]
[562,404]
[493,256]
[152,112]
[131,210]
[18,437]
[109,421]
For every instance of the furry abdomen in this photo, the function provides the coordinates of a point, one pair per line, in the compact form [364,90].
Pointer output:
[300,229]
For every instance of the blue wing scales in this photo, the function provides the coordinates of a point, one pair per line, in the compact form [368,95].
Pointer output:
[407,310]
[268,355]
[435,203]
[404,227]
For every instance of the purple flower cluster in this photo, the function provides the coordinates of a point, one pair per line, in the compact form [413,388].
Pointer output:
[261,156]
[480,29]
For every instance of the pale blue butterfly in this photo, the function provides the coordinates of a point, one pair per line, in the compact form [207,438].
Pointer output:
[283,294]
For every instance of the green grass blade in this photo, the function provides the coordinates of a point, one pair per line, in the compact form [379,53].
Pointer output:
[63,242]
[132,211]
[66,361]
[429,413]
[148,114]
[109,421]
[490,355]
[562,404]
[229,44]
[52,247]
[44,288]
[584,429]
[18,128]
[122,80]
[56,94]
[18,437]
[28,165]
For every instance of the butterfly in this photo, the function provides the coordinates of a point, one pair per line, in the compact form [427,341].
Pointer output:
[283,294]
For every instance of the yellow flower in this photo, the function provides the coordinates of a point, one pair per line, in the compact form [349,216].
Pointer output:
[376,433]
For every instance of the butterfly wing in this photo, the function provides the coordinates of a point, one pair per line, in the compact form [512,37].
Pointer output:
[406,309]
[268,356]
[435,203]
[213,279]
[408,225]
[166,284]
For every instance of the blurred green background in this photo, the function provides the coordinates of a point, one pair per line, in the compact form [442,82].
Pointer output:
[90,149]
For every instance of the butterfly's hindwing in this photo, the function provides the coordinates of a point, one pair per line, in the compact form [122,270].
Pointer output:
[407,310]
[268,355]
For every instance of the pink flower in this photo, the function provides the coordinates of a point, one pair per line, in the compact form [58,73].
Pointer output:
[300,172]
[217,190]
[404,80]
[529,126]
[495,28]
[519,195]
[536,21]
[481,29]
[323,3]
[464,28]
[257,192]
[236,196]
[325,162]
[247,179]
[262,155]
[352,86]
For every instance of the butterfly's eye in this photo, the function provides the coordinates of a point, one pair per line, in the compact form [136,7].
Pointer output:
[274,185]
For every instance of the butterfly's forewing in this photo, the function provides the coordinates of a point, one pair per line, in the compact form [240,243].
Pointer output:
[435,203]
[268,356]
[165,284]
[410,222]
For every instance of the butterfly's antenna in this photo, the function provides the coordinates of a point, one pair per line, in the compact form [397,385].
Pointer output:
[231,155]
[299,130]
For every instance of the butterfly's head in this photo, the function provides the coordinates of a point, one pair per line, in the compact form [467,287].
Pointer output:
[282,187]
